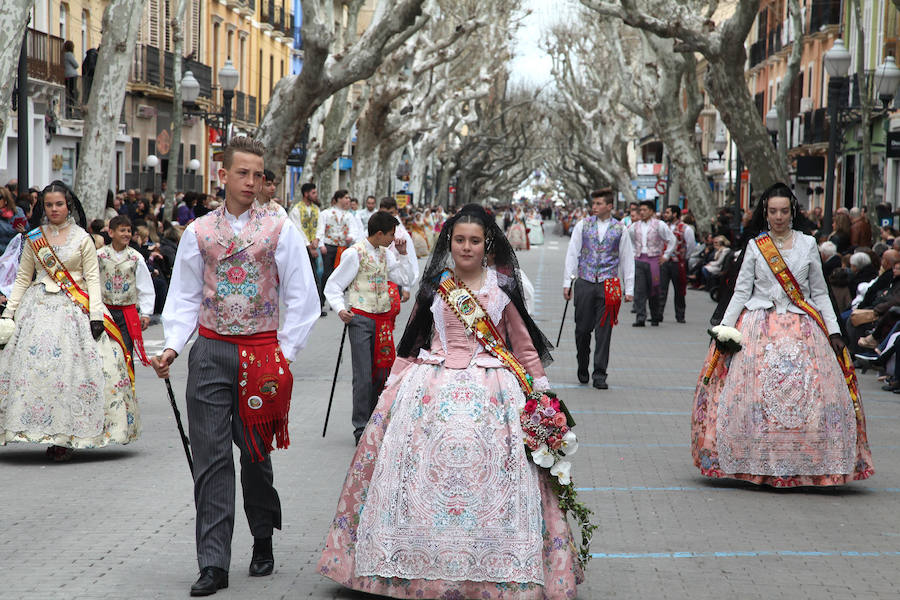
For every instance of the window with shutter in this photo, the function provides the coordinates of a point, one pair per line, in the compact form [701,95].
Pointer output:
[164,20]
[195,29]
[153,28]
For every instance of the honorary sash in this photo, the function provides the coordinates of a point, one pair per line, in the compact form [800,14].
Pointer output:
[47,258]
[790,286]
[475,319]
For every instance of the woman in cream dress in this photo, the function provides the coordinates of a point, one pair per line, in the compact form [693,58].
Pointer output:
[63,380]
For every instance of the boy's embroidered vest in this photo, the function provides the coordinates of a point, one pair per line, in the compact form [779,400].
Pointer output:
[240,278]
[118,275]
[337,228]
[599,259]
[369,290]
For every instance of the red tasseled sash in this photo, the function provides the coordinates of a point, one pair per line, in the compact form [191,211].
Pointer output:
[385,353]
[265,384]
[612,302]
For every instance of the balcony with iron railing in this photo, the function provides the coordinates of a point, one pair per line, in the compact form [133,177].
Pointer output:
[823,13]
[154,68]
[267,14]
[45,57]
[279,19]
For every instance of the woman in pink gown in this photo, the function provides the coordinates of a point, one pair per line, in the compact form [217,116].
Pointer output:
[441,500]
[780,412]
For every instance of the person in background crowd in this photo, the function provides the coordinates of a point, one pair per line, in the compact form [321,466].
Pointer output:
[185,212]
[372,274]
[88,67]
[389,205]
[71,76]
[654,244]
[717,263]
[600,267]
[305,216]
[860,229]
[370,209]
[12,219]
[675,270]
[840,235]
[336,230]
[831,260]
[111,210]
[267,198]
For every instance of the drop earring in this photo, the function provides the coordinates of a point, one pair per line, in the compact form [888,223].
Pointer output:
[484,262]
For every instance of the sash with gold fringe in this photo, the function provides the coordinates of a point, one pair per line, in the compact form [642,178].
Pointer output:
[790,286]
[47,258]
[475,319]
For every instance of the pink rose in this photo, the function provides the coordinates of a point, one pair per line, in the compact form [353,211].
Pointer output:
[559,419]
[554,442]
[236,275]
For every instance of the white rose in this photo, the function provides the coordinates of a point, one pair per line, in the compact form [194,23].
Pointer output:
[725,334]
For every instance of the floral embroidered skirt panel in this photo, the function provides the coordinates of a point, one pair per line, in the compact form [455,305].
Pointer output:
[518,236]
[441,501]
[60,386]
[779,412]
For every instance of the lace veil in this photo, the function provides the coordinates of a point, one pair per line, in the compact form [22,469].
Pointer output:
[419,327]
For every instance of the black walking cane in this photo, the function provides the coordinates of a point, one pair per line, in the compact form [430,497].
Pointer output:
[559,337]
[184,437]
[334,381]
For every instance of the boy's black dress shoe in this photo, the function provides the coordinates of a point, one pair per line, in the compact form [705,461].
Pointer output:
[601,385]
[212,579]
[638,324]
[263,561]
[583,376]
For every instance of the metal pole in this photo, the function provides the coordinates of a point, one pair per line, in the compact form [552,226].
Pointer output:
[835,87]
[22,113]
[227,95]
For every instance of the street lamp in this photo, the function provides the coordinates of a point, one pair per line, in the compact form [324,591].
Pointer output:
[190,88]
[887,78]
[720,143]
[772,124]
[228,78]
[837,63]
[151,162]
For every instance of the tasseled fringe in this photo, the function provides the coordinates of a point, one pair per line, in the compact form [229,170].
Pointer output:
[268,431]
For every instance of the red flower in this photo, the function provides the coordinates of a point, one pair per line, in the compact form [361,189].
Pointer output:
[530,406]
[555,403]
[554,442]
[236,275]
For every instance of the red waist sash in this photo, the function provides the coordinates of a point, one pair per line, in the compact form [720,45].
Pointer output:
[133,324]
[265,384]
[384,352]
[612,301]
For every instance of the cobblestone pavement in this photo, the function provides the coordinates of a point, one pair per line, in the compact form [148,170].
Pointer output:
[119,522]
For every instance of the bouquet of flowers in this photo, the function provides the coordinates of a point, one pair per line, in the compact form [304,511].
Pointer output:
[728,341]
[547,427]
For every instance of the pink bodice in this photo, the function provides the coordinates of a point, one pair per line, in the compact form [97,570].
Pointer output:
[452,346]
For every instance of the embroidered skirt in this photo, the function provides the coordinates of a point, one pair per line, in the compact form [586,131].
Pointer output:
[778,412]
[441,502]
[58,385]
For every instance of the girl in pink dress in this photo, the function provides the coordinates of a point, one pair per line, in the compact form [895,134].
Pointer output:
[441,500]
[779,412]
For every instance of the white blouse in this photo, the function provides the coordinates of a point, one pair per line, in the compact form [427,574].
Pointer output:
[757,288]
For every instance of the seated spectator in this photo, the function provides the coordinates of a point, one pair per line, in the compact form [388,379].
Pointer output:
[861,269]
[860,228]
[12,219]
[840,236]
[830,259]
[714,267]
[876,297]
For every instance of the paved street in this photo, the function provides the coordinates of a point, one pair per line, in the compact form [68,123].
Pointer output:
[118,522]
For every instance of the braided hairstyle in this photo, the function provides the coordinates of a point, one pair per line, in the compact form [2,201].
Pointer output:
[418,332]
